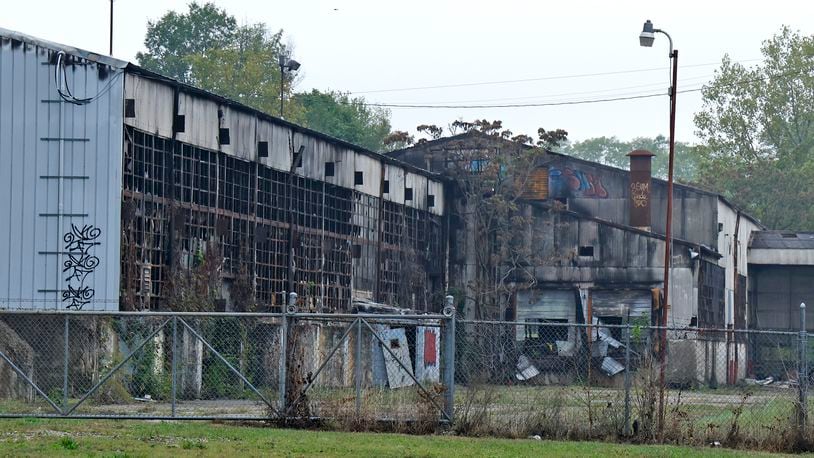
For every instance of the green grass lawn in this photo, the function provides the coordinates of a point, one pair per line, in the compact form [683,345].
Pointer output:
[37,437]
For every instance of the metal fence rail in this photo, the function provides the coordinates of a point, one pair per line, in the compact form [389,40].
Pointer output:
[545,377]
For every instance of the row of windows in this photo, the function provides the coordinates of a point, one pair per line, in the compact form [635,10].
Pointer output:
[181,198]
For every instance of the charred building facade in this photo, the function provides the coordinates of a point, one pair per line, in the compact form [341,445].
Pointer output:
[128,190]
[595,248]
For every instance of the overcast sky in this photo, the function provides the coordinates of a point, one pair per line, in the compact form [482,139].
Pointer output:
[374,45]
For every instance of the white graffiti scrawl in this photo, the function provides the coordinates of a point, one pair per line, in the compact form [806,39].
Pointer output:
[79,264]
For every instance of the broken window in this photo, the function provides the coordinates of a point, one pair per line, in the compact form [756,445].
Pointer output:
[546,330]
[178,198]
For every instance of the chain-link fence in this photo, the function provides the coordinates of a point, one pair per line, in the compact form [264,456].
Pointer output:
[545,377]
[563,380]
[356,369]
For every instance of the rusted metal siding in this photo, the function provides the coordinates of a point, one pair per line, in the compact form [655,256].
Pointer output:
[536,187]
[60,179]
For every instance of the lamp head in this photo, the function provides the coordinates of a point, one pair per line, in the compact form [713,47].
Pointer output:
[292,65]
[647,36]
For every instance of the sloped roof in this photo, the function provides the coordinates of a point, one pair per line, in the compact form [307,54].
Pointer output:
[782,240]
[493,139]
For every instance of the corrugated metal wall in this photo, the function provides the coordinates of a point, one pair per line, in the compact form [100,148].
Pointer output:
[59,237]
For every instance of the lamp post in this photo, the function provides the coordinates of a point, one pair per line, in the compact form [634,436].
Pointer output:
[646,39]
[286,64]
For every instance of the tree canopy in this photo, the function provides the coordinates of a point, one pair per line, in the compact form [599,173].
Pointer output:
[757,127]
[342,116]
[613,151]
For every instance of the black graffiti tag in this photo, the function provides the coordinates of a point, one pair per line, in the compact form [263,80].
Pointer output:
[79,264]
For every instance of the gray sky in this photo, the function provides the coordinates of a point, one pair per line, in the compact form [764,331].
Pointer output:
[375,45]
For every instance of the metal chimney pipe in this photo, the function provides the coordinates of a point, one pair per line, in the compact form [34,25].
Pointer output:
[640,188]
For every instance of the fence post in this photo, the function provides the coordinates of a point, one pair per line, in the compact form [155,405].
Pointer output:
[291,307]
[626,430]
[449,358]
[358,368]
[66,358]
[174,368]
[802,374]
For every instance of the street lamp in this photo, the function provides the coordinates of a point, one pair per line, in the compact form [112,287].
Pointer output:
[289,65]
[646,39]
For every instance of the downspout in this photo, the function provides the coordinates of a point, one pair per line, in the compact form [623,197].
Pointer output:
[61,187]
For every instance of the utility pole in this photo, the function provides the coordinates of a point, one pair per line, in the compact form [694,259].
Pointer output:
[111,28]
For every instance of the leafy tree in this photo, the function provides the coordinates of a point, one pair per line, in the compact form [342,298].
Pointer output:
[345,117]
[613,151]
[205,47]
[757,127]
[176,36]
[246,70]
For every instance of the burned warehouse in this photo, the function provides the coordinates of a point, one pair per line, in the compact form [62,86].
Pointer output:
[126,190]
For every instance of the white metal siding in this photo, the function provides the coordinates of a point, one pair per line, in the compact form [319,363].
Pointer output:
[153,105]
[395,177]
[32,121]
[201,121]
[371,173]
[419,185]
[436,188]
[242,135]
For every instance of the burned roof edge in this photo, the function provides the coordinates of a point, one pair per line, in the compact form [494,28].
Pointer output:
[135,69]
[89,55]
[475,133]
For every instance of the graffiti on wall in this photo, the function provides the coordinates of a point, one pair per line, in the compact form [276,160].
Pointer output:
[639,192]
[577,183]
[79,264]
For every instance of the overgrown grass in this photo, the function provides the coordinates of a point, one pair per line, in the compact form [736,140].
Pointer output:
[129,438]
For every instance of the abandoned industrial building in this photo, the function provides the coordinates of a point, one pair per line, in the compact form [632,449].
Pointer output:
[113,195]
[127,190]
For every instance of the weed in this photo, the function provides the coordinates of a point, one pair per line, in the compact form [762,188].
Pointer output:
[190,444]
[68,443]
